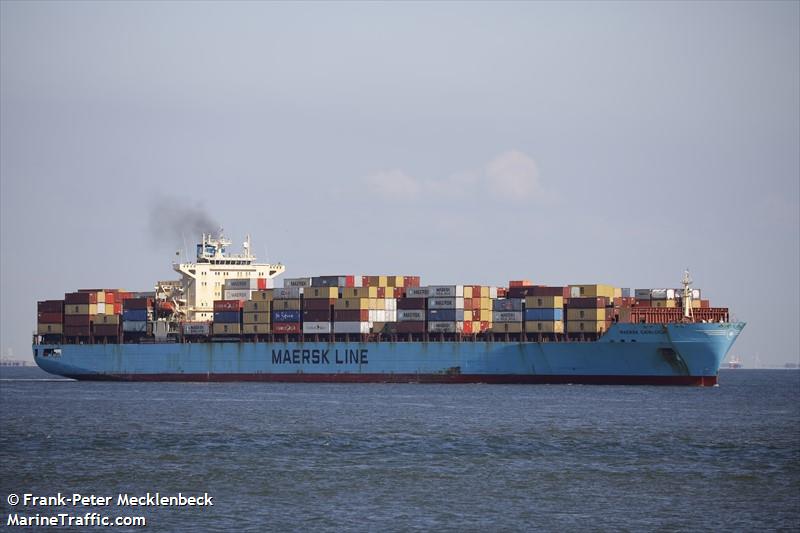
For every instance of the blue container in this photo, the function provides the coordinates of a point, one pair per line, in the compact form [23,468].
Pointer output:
[226,317]
[286,316]
[627,293]
[544,314]
[446,315]
[134,315]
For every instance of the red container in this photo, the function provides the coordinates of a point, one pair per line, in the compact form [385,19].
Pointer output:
[411,327]
[262,284]
[50,318]
[485,325]
[318,304]
[76,298]
[520,283]
[50,306]
[286,327]
[541,290]
[381,292]
[227,305]
[106,330]
[76,331]
[705,304]
[398,292]
[588,303]
[476,304]
[137,303]
[410,281]
[351,315]
[468,328]
[317,315]
[411,303]
[77,320]
[117,308]
[502,292]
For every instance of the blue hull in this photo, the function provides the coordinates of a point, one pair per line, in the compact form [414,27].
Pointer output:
[681,354]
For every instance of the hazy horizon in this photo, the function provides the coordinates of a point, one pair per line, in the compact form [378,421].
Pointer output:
[606,142]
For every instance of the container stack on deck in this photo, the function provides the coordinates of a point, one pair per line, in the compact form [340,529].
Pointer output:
[256,318]
[50,317]
[137,316]
[227,317]
[286,310]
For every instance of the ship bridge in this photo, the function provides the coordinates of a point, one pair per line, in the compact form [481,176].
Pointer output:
[203,280]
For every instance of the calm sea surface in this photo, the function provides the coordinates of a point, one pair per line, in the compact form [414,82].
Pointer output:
[414,457]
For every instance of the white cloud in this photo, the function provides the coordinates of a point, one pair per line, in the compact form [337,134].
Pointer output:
[393,184]
[513,176]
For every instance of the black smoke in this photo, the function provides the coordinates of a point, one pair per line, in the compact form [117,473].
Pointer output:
[172,220]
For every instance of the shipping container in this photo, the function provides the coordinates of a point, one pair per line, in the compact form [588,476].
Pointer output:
[256,329]
[446,291]
[77,331]
[256,318]
[591,291]
[196,328]
[544,301]
[547,314]
[641,294]
[445,303]
[297,282]
[411,327]
[411,303]
[262,296]
[49,329]
[627,293]
[507,316]
[285,327]
[50,318]
[351,327]
[135,315]
[417,292]
[50,306]
[520,283]
[225,328]
[410,281]
[256,306]
[447,315]
[227,317]
[506,327]
[106,319]
[316,327]
[555,326]
[287,293]
[508,304]
[134,327]
[445,327]
[351,315]
[227,305]
[321,292]
[411,315]
[318,304]
[359,292]
[586,326]
[76,309]
[101,308]
[285,316]
[242,284]
[585,314]
[344,304]
[77,298]
[286,305]
[589,303]
[106,330]
[138,303]
[662,294]
[236,295]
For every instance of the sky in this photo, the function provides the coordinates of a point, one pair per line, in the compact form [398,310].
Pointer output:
[464,142]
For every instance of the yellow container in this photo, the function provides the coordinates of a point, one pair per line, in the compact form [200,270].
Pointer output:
[585,326]
[321,292]
[671,304]
[544,302]
[507,327]
[106,319]
[77,309]
[261,296]
[486,303]
[486,315]
[360,292]
[468,315]
[593,291]
[256,306]
[254,329]
[286,305]
[49,329]
[227,329]
[695,304]
[617,292]
[344,304]
[101,297]
[394,281]
[538,326]
[256,318]
[586,314]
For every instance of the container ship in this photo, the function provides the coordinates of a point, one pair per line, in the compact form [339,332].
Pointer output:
[224,320]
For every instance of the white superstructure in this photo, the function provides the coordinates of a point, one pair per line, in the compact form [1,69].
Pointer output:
[203,280]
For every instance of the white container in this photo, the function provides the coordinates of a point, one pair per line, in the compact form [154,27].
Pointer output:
[662,294]
[286,293]
[492,292]
[445,327]
[641,294]
[507,316]
[196,328]
[236,295]
[351,327]
[233,284]
[391,304]
[297,282]
[316,327]
[445,291]
[574,292]
[411,315]
[445,303]
[134,327]
[417,292]
[696,294]
[101,308]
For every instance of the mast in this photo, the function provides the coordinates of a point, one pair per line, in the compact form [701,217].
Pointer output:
[688,313]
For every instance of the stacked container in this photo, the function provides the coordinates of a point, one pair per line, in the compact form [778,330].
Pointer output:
[507,315]
[588,315]
[351,312]
[446,309]
[318,302]
[286,310]
[77,314]
[411,310]
[478,308]
[137,313]
[242,288]
[256,319]
[107,323]
[227,317]
[50,317]
[663,298]
[544,313]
